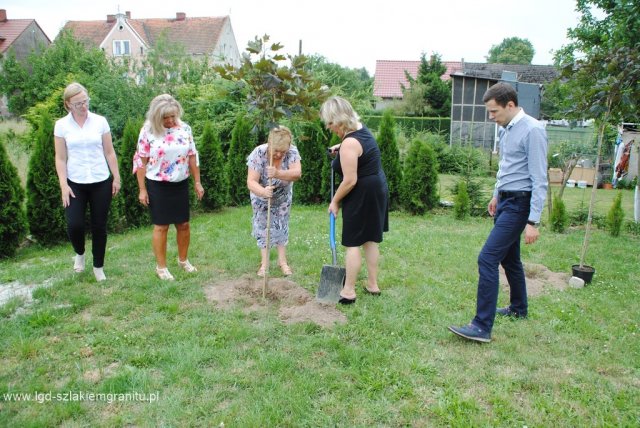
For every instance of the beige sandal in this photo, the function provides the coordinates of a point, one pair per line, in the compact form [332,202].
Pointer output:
[188,267]
[261,271]
[286,270]
[164,274]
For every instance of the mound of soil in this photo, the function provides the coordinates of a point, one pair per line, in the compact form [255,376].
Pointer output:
[539,278]
[294,303]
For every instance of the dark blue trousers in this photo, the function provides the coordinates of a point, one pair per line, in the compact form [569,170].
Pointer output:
[502,248]
[98,197]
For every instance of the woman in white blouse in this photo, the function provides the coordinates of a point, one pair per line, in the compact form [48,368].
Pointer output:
[165,159]
[88,174]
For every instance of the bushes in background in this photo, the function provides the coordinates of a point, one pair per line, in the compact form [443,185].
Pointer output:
[13,220]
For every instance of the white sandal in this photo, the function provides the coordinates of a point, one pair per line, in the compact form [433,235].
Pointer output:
[164,274]
[188,267]
[78,263]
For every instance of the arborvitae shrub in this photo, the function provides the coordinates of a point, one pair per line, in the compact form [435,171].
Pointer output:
[325,190]
[559,217]
[312,144]
[212,176]
[242,143]
[44,204]
[390,156]
[133,211]
[13,220]
[615,216]
[462,203]
[419,190]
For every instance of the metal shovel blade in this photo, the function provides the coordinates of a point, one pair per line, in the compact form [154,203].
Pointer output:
[331,283]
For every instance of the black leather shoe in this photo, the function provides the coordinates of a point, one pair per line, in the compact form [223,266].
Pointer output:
[507,312]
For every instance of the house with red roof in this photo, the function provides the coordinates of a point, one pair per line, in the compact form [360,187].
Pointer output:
[20,37]
[390,78]
[121,36]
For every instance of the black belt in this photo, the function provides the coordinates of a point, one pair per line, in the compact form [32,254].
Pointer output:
[504,194]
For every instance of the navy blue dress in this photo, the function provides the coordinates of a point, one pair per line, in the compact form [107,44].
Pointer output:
[365,210]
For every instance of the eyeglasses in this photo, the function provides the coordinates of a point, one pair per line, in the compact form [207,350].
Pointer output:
[80,104]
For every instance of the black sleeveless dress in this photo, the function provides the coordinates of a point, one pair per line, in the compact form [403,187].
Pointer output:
[365,210]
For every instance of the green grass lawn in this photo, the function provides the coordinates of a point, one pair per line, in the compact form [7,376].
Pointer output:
[573,362]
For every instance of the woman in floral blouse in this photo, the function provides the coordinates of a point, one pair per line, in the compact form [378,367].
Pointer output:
[165,159]
[283,172]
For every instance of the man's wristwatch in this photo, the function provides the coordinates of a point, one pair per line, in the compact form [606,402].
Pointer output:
[533,223]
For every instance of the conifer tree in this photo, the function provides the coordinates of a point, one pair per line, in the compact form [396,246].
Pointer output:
[559,218]
[135,214]
[242,143]
[390,156]
[615,216]
[312,143]
[419,190]
[44,206]
[212,174]
[462,207]
[13,220]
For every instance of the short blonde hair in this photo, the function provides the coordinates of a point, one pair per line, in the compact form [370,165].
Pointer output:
[338,111]
[71,91]
[161,106]
[280,139]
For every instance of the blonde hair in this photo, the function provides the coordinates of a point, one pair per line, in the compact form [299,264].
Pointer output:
[280,139]
[161,106]
[338,111]
[71,91]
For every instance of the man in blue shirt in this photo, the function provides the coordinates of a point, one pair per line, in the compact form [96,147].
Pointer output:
[516,205]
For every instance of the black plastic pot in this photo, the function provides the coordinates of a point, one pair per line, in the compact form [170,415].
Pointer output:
[585,272]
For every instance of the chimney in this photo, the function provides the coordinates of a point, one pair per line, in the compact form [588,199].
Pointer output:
[181,16]
[111,19]
[3,15]
[128,13]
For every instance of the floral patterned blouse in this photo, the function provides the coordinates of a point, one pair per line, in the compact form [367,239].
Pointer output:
[259,161]
[168,154]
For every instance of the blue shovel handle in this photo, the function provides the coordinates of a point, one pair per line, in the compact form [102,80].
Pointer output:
[332,237]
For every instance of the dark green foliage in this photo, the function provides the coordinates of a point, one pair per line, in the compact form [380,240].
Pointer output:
[428,94]
[312,142]
[135,214]
[325,190]
[50,71]
[462,206]
[212,175]
[390,157]
[44,206]
[615,216]
[559,217]
[13,220]
[414,125]
[477,197]
[419,190]
[242,143]
[512,50]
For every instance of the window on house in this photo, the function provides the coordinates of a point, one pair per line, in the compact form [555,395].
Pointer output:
[121,47]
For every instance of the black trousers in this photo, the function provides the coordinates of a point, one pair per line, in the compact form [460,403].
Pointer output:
[98,197]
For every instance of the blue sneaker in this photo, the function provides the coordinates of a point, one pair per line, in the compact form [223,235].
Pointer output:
[508,312]
[471,332]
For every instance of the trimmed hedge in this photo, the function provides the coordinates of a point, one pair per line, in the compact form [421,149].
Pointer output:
[436,125]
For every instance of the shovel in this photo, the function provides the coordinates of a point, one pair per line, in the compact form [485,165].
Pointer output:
[332,276]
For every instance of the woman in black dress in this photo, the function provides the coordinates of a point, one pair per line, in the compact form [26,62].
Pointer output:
[363,194]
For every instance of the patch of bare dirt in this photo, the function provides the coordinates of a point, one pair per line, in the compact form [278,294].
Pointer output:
[293,302]
[539,279]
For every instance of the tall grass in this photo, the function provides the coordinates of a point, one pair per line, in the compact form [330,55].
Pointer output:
[574,362]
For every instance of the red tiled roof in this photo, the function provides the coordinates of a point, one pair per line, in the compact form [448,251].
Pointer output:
[11,29]
[197,35]
[389,76]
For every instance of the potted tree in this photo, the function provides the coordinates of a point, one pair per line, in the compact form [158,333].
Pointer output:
[603,71]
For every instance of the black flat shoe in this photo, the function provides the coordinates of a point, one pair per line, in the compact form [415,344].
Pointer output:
[373,293]
[345,301]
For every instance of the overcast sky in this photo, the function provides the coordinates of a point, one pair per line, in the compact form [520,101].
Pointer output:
[352,33]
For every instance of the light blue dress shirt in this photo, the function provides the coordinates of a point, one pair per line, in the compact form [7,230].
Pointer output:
[523,161]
